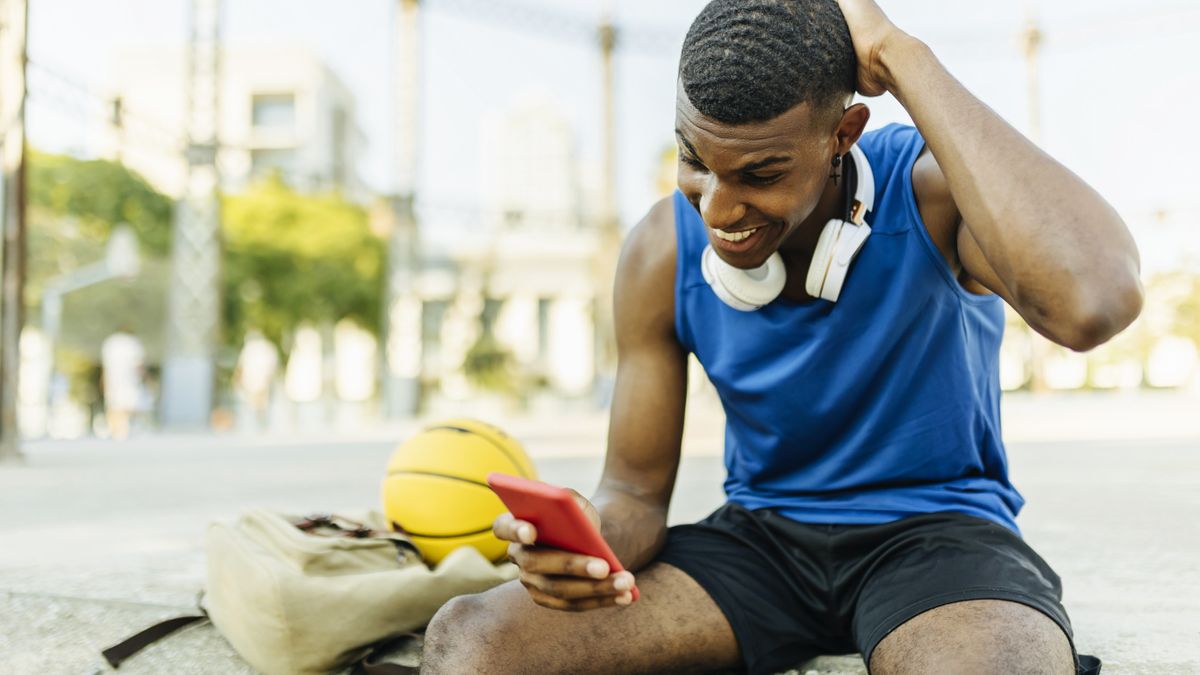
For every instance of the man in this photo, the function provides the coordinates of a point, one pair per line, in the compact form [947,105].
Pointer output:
[254,375]
[869,504]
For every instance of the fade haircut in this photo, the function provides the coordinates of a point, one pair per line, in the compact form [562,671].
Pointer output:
[749,61]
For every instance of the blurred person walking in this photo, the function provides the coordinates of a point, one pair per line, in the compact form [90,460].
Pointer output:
[123,363]
[255,375]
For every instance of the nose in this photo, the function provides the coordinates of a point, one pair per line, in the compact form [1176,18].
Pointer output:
[720,206]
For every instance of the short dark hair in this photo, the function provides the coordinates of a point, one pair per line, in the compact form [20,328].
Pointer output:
[752,60]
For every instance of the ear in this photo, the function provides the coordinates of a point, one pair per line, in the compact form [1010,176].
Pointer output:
[851,126]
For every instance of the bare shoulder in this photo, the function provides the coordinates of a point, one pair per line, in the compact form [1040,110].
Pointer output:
[644,292]
[649,251]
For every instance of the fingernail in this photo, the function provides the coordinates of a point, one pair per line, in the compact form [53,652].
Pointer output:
[525,534]
[623,583]
[625,599]
[597,568]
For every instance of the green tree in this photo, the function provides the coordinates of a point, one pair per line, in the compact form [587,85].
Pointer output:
[73,206]
[98,194]
[293,258]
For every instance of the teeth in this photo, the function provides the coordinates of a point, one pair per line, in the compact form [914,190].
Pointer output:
[734,236]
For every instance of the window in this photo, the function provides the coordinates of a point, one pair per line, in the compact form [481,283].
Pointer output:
[274,111]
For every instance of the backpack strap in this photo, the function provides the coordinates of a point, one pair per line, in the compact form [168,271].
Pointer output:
[372,665]
[118,653]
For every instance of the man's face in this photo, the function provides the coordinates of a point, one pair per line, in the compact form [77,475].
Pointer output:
[763,178]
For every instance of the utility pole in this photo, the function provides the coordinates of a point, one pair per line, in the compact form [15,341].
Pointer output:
[1031,43]
[610,231]
[403,309]
[194,304]
[116,120]
[13,31]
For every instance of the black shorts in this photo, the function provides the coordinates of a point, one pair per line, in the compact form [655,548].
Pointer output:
[793,591]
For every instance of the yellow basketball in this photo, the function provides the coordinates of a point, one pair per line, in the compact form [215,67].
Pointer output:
[436,487]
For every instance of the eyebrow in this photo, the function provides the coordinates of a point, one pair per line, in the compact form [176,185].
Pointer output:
[686,143]
[763,163]
[752,166]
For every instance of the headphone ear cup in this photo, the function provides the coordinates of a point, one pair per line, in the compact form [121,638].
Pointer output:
[708,262]
[823,257]
[743,290]
[850,242]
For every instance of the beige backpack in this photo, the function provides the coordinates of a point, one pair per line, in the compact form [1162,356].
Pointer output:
[300,596]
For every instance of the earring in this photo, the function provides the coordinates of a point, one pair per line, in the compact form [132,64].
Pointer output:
[835,174]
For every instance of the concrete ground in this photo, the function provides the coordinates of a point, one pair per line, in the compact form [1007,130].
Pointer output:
[100,539]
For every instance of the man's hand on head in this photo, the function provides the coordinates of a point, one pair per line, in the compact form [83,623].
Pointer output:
[872,32]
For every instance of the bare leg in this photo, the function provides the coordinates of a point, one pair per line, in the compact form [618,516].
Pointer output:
[978,637]
[118,423]
[675,626]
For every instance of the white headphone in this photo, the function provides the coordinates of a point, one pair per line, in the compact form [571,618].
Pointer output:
[839,243]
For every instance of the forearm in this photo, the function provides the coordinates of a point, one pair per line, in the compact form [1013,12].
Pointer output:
[633,525]
[1063,255]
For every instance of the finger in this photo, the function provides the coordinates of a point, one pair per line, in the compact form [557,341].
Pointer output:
[578,605]
[526,557]
[575,588]
[553,561]
[557,562]
[508,528]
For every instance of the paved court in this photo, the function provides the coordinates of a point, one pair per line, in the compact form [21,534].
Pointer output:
[100,539]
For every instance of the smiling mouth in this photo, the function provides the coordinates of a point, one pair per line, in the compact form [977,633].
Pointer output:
[740,243]
[734,236]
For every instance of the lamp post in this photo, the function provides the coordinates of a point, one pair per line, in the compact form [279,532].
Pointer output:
[402,305]
[194,303]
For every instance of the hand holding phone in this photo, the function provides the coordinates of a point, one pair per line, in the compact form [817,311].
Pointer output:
[565,562]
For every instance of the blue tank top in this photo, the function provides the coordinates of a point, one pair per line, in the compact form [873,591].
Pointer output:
[882,405]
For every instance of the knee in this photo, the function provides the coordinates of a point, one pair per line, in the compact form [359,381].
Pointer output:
[457,639]
[987,637]
[983,656]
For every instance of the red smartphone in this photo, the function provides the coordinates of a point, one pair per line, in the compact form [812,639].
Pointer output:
[559,520]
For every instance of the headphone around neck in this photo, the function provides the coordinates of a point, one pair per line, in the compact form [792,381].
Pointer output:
[840,241]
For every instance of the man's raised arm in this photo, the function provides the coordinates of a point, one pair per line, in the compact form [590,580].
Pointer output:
[1031,230]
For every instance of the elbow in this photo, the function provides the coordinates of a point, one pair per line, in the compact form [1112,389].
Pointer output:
[1102,316]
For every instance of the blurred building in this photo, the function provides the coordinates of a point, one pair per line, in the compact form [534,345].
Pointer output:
[281,109]
[525,278]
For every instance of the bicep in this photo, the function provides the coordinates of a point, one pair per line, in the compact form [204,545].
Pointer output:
[952,237]
[977,268]
[974,271]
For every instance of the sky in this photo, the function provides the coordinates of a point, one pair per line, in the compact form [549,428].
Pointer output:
[1118,83]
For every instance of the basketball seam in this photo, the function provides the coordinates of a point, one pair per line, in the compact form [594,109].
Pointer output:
[499,447]
[410,533]
[439,475]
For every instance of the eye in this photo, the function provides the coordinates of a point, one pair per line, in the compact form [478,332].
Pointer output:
[692,162]
[760,179]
